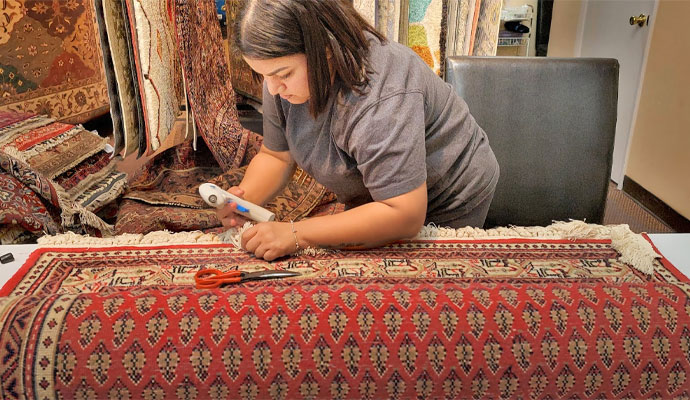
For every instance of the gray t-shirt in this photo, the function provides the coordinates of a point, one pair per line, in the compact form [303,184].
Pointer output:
[408,127]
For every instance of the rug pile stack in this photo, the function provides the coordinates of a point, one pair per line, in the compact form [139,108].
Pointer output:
[55,177]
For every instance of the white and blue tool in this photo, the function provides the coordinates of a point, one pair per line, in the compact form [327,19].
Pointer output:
[217,197]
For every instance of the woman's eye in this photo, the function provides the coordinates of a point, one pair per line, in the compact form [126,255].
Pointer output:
[285,76]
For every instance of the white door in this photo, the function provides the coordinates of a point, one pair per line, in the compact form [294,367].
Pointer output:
[607,33]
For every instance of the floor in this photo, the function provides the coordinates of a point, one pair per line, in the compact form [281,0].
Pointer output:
[623,209]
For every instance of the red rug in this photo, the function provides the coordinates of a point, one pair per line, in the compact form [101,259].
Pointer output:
[512,318]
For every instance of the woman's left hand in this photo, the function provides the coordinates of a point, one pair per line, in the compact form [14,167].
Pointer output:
[269,240]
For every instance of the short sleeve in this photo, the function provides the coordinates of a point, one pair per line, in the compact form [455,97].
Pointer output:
[388,143]
[273,122]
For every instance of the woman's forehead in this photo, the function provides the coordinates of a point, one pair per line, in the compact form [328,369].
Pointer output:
[272,66]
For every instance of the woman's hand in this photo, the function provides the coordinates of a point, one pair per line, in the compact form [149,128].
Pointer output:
[228,215]
[269,240]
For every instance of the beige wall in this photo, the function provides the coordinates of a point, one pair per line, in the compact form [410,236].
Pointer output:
[565,21]
[659,157]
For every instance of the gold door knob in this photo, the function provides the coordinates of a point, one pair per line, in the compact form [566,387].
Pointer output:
[639,20]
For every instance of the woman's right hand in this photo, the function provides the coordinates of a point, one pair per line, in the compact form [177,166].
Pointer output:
[228,215]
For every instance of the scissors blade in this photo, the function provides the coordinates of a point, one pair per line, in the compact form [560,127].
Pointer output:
[270,274]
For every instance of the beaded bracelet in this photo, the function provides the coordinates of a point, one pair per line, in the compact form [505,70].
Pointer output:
[294,233]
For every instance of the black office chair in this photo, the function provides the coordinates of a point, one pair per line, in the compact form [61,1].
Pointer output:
[551,123]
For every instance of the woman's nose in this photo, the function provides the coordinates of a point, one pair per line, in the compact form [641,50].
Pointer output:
[274,86]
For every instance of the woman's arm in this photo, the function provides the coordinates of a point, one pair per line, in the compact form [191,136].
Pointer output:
[267,174]
[368,225]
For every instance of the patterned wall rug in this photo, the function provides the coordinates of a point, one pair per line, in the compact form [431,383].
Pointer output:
[519,317]
[50,59]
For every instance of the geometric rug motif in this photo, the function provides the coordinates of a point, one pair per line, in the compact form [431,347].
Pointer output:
[85,172]
[50,60]
[38,135]
[64,153]
[21,207]
[102,191]
[73,271]
[125,322]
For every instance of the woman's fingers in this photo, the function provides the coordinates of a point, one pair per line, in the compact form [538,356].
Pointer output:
[228,214]
[247,237]
[264,241]
[231,220]
[270,255]
[266,252]
[229,210]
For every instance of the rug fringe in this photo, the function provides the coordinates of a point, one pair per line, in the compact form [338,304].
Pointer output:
[72,239]
[634,249]
[13,152]
[234,236]
[71,209]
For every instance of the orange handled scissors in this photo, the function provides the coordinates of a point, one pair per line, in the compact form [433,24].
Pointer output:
[213,278]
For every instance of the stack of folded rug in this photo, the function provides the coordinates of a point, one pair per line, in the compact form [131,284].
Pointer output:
[54,176]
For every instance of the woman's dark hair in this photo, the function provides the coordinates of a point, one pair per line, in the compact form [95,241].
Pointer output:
[269,29]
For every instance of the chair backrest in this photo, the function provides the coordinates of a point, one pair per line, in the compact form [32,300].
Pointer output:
[551,123]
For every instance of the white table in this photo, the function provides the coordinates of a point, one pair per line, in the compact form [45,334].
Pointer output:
[21,253]
[674,246]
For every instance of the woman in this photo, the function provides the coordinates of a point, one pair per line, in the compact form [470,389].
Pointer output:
[368,119]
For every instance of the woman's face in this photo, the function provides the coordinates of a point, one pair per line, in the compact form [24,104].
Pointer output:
[285,76]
